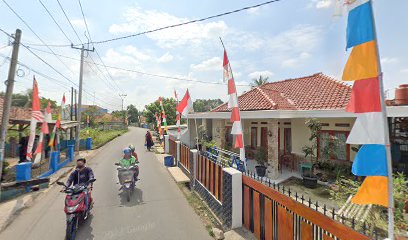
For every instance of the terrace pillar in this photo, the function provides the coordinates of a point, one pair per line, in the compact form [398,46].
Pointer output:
[273,151]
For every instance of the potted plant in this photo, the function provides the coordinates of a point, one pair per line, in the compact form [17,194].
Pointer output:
[261,158]
[309,178]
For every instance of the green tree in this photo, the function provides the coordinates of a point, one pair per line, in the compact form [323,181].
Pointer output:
[92,112]
[169,105]
[205,105]
[133,114]
[261,80]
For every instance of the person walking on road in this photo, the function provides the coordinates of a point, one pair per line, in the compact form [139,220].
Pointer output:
[149,140]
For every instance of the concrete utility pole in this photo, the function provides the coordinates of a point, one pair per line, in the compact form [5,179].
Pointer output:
[8,97]
[78,113]
[123,96]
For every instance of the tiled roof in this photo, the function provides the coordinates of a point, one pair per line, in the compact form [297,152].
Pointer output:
[315,92]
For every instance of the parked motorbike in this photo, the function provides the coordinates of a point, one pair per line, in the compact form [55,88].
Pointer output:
[75,207]
[127,179]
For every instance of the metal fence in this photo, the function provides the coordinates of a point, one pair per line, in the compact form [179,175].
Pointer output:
[272,212]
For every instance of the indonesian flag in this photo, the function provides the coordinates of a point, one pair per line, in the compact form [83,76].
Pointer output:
[178,126]
[57,123]
[186,105]
[159,126]
[47,115]
[36,116]
[38,151]
[233,105]
[163,114]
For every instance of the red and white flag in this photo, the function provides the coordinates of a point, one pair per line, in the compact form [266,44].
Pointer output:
[38,151]
[186,105]
[36,116]
[233,105]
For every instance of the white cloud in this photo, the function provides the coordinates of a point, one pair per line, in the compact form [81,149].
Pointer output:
[404,70]
[212,64]
[140,55]
[138,20]
[389,60]
[293,62]
[321,3]
[254,11]
[167,57]
[256,74]
[79,23]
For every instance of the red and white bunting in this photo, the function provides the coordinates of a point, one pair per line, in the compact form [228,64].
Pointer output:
[36,116]
[234,106]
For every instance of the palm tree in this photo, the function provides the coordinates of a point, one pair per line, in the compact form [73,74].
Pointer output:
[256,82]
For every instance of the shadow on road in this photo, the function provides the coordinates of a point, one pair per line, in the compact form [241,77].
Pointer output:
[135,199]
[85,229]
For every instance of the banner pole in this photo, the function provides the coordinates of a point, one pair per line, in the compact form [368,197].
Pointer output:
[387,138]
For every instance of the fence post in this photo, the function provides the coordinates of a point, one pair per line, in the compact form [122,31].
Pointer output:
[232,198]
[23,171]
[70,152]
[54,161]
[166,144]
[193,168]
[178,153]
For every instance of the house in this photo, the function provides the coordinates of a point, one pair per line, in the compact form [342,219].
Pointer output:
[274,114]
[100,110]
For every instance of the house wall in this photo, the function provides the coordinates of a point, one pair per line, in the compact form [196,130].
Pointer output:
[300,133]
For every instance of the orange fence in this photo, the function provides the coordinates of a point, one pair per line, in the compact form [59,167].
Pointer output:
[270,214]
[185,156]
[210,175]
[173,148]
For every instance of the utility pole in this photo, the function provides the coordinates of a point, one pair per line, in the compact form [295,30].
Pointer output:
[123,96]
[81,68]
[75,105]
[8,97]
[72,113]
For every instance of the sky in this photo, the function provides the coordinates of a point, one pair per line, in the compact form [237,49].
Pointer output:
[286,39]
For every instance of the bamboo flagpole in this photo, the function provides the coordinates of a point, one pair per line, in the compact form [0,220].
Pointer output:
[387,138]
[233,104]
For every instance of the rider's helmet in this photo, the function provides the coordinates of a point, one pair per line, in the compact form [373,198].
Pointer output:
[132,147]
[127,151]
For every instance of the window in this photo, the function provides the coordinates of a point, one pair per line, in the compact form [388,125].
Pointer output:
[287,134]
[254,137]
[332,145]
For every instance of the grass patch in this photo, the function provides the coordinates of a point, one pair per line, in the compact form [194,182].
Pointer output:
[101,137]
[201,209]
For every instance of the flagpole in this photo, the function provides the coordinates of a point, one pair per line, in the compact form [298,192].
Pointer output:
[232,75]
[386,136]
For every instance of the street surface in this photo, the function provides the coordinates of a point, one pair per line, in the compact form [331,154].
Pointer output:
[157,210]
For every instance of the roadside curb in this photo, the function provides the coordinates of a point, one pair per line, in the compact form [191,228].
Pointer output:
[11,209]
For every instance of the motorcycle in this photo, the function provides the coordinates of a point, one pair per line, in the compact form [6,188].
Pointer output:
[75,207]
[127,179]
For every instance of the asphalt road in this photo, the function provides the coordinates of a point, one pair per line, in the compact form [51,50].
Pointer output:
[157,210]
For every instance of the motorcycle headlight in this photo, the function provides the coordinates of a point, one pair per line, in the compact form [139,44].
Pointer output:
[72,209]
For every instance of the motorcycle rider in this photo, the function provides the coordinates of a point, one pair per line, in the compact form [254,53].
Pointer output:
[81,175]
[134,154]
[128,160]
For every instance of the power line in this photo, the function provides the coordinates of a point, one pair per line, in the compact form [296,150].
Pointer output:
[27,25]
[69,21]
[170,26]
[96,50]
[55,21]
[144,73]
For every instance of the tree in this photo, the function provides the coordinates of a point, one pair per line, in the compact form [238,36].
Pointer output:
[256,82]
[205,105]
[133,114]
[24,100]
[92,112]
[169,105]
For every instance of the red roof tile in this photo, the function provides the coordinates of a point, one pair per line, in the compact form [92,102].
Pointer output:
[315,92]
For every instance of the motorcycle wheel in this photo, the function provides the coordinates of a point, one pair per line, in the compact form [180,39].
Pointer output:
[128,195]
[71,229]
